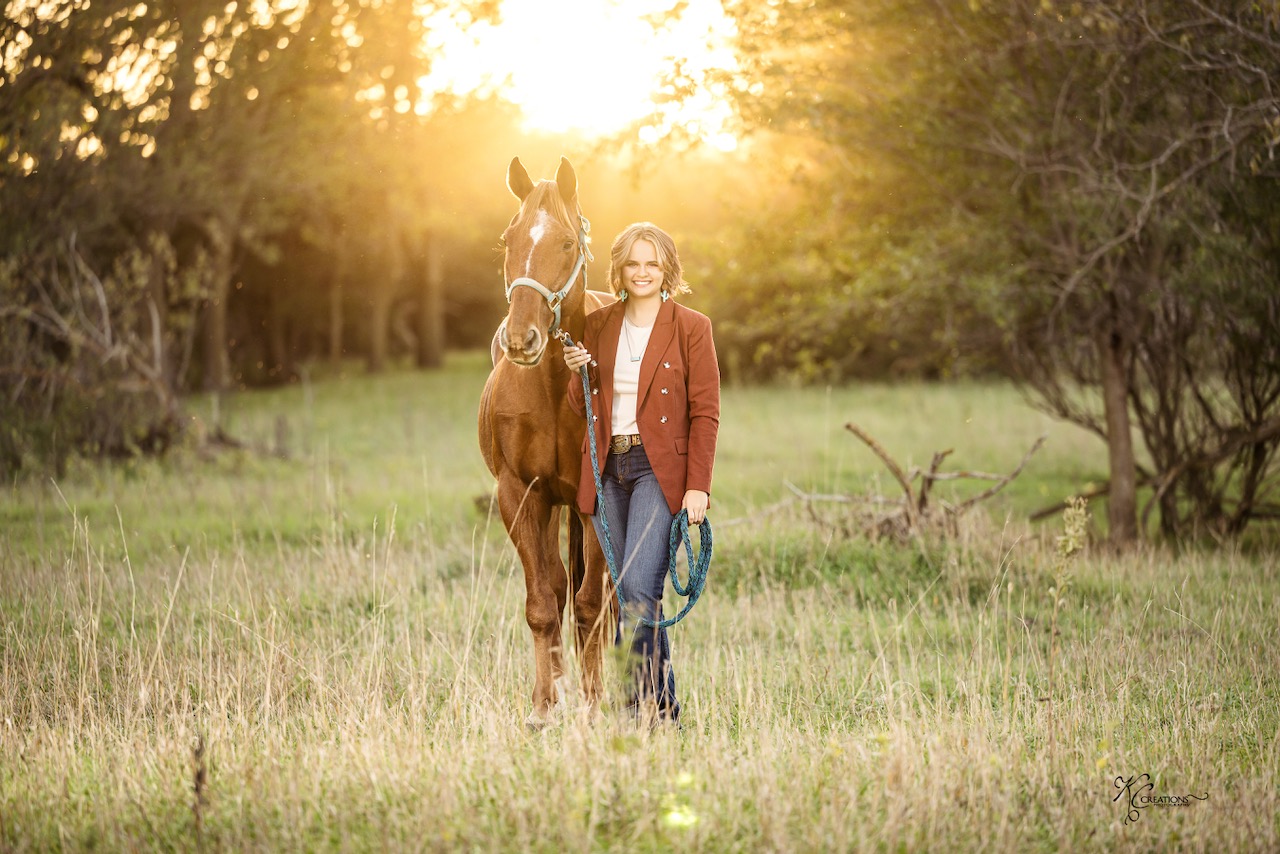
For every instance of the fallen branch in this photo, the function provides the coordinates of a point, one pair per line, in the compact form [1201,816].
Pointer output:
[915,513]
[992,490]
[896,470]
[930,477]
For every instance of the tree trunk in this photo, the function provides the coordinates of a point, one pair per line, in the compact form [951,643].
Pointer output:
[217,361]
[389,269]
[217,364]
[214,344]
[158,294]
[379,326]
[431,306]
[1122,501]
[280,365]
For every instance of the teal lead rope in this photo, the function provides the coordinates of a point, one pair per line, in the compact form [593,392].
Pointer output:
[679,530]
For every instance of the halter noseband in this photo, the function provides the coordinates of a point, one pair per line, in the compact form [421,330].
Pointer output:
[555,299]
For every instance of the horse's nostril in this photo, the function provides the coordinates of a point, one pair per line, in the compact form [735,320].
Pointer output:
[502,337]
[531,341]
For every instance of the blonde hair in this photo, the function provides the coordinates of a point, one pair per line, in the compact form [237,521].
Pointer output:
[672,273]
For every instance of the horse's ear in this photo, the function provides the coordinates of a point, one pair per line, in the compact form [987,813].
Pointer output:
[518,180]
[567,181]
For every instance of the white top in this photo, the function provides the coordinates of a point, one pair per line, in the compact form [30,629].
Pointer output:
[626,376]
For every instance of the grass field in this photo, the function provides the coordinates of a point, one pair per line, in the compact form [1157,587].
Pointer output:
[317,642]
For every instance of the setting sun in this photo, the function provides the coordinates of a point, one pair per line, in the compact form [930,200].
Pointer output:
[591,66]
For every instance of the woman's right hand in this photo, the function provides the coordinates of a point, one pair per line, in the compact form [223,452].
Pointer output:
[575,357]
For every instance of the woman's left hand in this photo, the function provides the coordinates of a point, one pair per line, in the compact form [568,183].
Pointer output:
[695,502]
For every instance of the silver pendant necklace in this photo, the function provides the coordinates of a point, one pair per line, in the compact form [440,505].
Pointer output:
[631,348]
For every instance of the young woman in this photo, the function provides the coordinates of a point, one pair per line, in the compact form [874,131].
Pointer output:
[655,393]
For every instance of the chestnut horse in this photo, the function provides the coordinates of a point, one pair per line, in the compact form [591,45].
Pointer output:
[532,440]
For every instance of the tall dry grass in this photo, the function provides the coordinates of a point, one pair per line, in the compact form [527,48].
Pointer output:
[350,695]
[300,673]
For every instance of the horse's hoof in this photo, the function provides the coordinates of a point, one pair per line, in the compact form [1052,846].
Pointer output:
[566,697]
[565,689]
[539,721]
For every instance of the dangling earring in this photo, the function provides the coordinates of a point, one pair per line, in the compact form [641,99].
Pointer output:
[622,297]
[665,296]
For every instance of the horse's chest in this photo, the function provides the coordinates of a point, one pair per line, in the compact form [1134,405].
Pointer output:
[531,447]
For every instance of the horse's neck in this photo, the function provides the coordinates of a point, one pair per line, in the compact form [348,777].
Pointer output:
[555,373]
[547,382]
[575,317]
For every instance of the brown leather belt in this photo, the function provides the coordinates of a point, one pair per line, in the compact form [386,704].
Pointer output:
[622,444]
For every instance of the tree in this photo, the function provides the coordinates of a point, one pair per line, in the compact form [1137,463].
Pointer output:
[1075,173]
[1142,123]
[863,261]
[204,139]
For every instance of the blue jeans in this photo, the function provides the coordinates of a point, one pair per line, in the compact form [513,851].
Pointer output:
[640,529]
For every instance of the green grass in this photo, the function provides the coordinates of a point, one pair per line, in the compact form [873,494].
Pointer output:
[359,450]
[343,630]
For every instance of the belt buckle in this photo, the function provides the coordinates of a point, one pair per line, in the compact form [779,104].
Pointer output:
[620,444]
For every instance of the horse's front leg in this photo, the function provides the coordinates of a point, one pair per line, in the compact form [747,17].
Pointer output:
[558,577]
[527,517]
[593,614]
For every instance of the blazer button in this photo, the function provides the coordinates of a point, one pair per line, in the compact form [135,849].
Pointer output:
[595,418]
[594,363]
[594,390]
[666,364]
[663,419]
[664,391]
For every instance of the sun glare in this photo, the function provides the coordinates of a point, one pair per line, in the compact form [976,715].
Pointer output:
[591,66]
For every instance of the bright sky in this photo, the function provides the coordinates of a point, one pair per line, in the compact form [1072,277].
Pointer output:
[592,66]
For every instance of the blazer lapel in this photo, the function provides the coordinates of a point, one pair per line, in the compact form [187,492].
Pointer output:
[607,345]
[664,329]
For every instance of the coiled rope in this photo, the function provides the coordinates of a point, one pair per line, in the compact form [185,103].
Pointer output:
[679,530]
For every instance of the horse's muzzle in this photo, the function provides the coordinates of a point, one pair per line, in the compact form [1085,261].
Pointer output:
[527,352]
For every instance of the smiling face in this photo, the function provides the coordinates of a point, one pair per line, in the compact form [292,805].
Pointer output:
[643,262]
[642,271]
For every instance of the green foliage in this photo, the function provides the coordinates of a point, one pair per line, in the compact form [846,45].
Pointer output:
[1028,186]
[931,189]
[824,303]
[277,148]
[877,256]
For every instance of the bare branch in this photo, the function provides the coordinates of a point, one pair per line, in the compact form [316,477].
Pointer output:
[889,461]
[928,478]
[911,516]
[992,490]
[1236,440]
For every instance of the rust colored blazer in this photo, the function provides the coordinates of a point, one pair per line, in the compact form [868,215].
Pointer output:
[677,406]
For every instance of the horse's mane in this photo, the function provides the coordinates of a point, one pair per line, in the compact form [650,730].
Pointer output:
[546,196]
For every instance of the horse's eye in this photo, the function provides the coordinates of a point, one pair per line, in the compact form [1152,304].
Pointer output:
[568,244]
